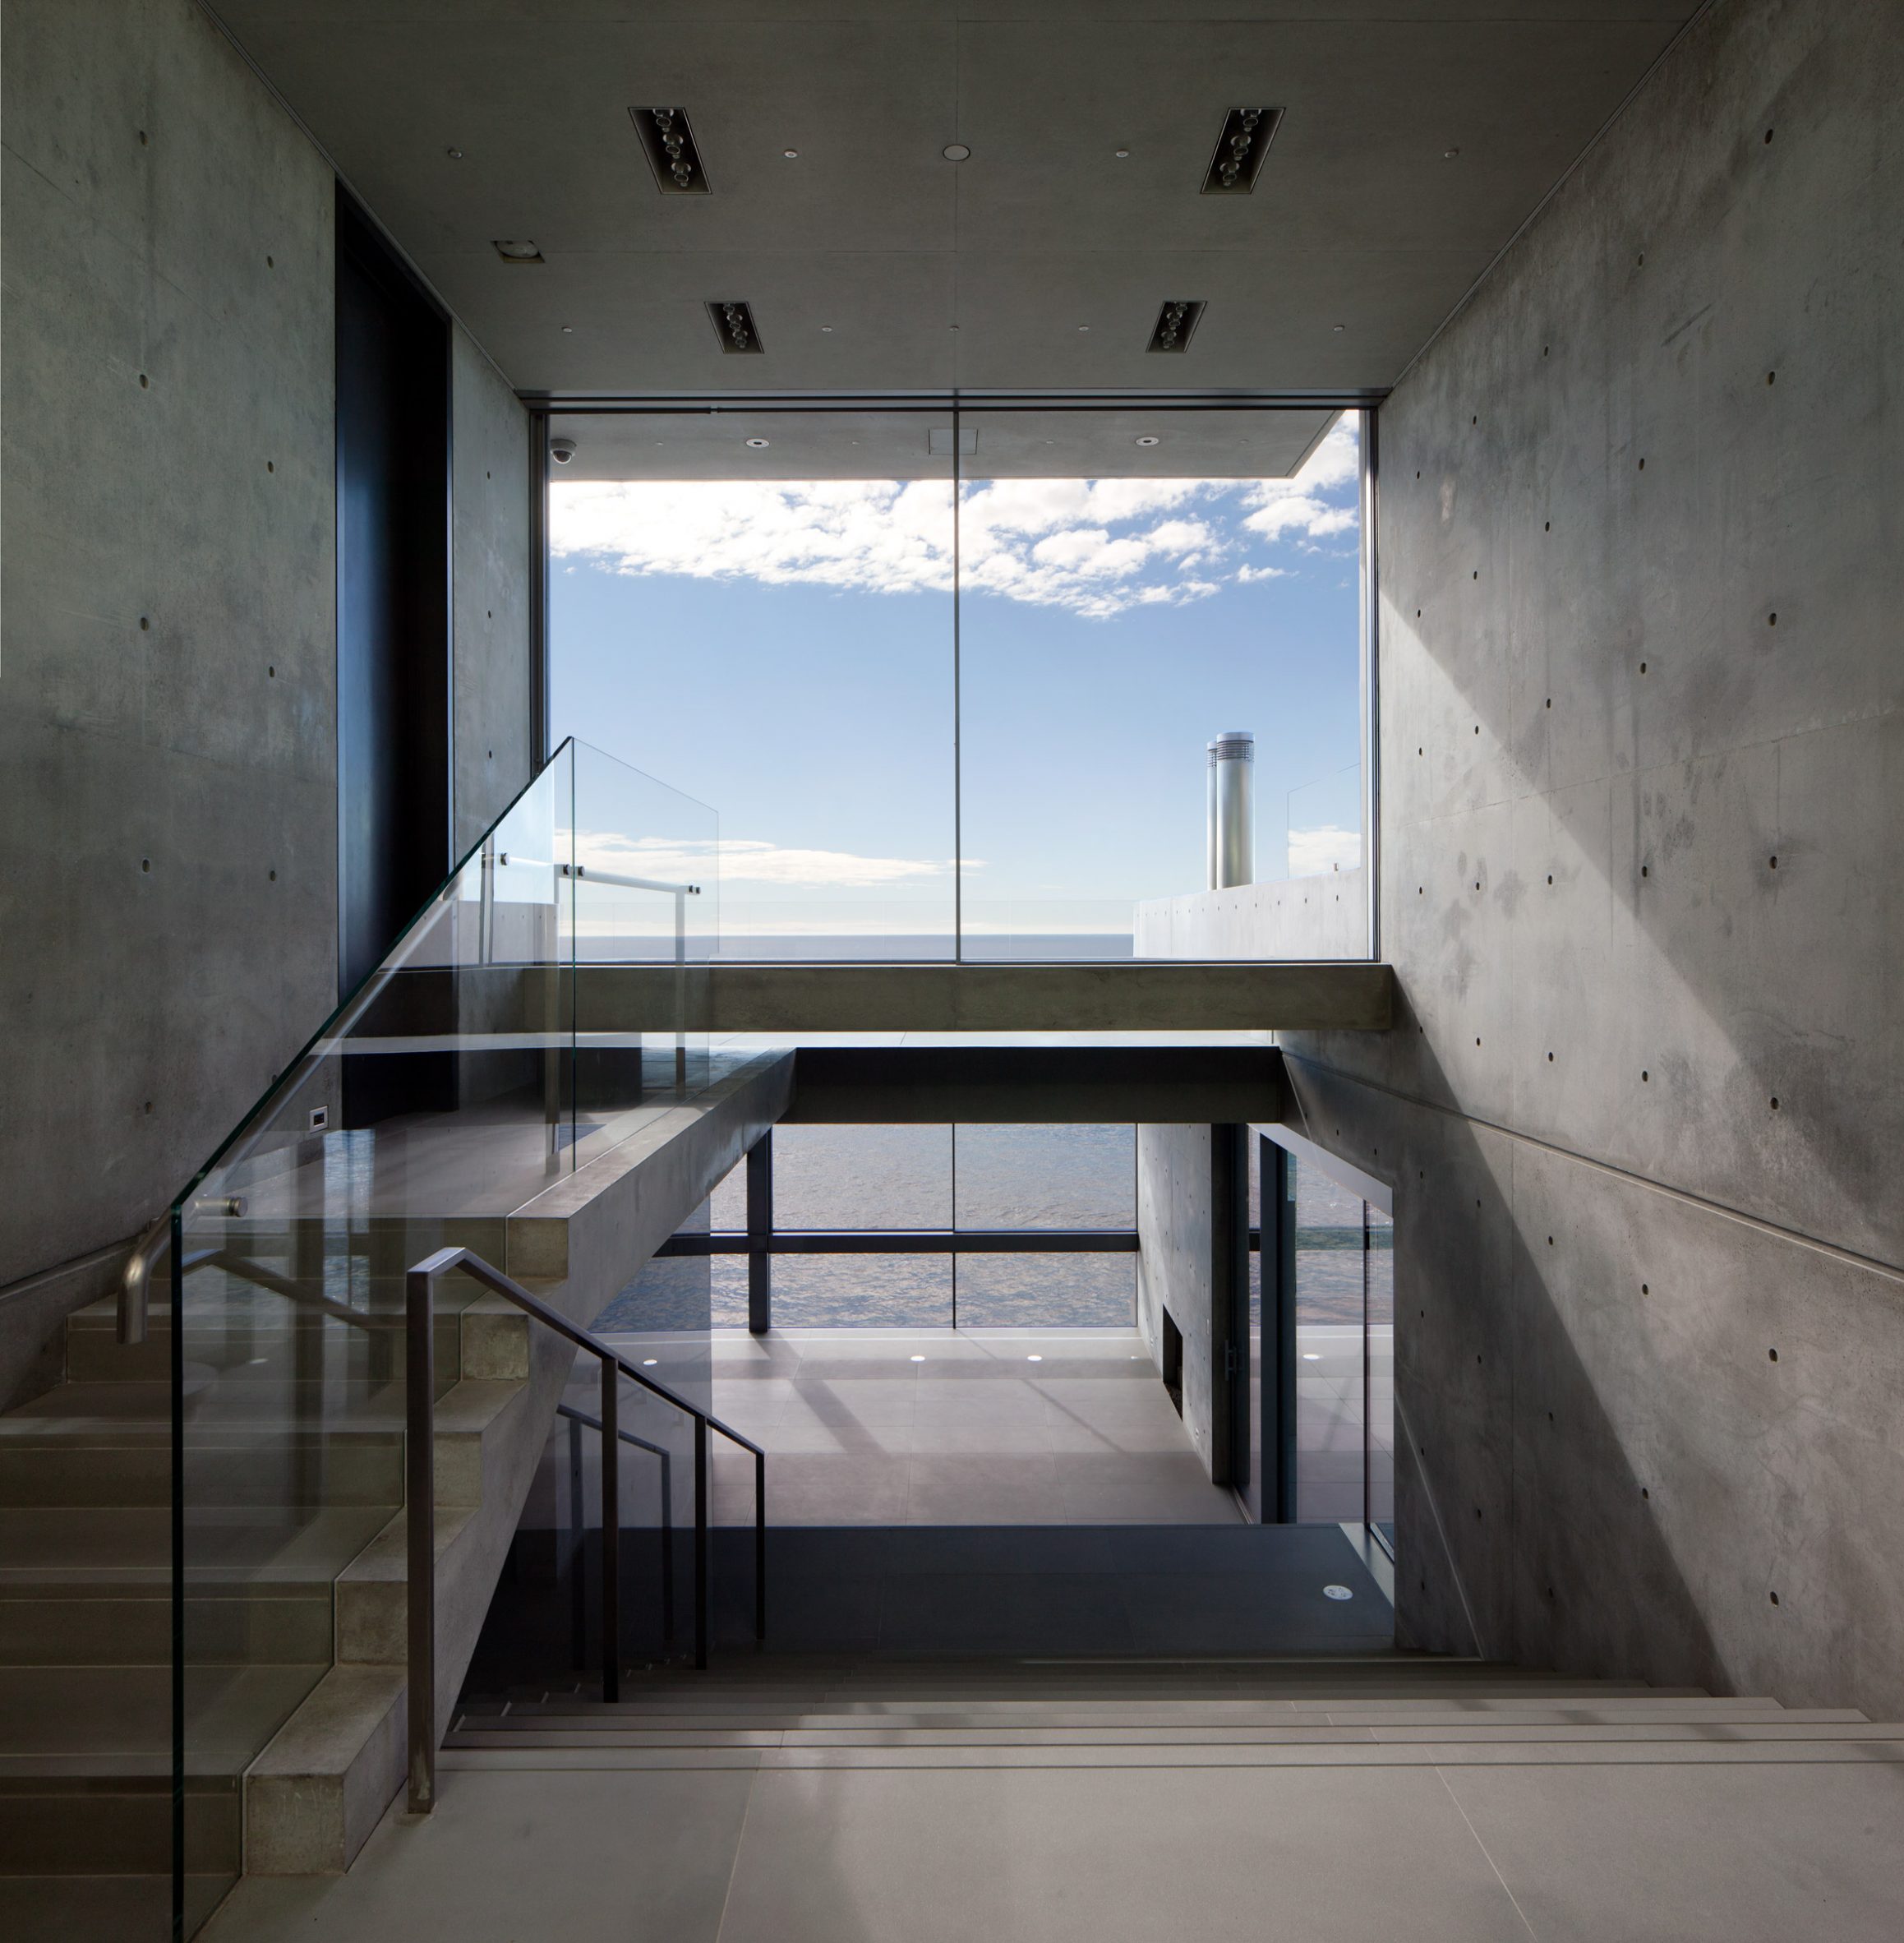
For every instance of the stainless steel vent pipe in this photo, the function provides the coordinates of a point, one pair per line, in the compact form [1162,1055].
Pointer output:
[1231,838]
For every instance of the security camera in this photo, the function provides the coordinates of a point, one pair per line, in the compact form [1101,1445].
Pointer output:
[561,450]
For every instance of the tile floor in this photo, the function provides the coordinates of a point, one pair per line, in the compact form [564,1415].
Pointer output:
[931,1427]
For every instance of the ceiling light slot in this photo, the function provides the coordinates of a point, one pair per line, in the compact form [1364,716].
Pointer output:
[734,325]
[668,142]
[1239,156]
[518,250]
[1176,323]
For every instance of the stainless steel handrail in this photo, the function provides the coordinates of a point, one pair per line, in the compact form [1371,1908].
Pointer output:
[135,1283]
[420,1495]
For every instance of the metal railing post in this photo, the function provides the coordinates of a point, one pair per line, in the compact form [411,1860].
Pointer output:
[667,1548]
[486,908]
[760,1545]
[610,1536]
[681,989]
[577,1571]
[420,1525]
[700,1541]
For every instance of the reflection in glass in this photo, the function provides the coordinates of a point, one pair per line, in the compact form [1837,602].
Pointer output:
[1328,1346]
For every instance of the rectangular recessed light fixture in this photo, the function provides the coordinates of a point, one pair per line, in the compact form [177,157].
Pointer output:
[520,250]
[1247,135]
[1175,322]
[734,325]
[668,142]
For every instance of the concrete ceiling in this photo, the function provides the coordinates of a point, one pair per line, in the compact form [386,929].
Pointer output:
[884,445]
[873,264]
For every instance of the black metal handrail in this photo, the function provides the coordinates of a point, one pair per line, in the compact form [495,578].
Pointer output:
[577,1420]
[420,1495]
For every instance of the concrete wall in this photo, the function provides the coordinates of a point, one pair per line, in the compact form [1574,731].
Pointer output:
[490,494]
[1644,803]
[168,844]
[1303,917]
[1174,1260]
[167,663]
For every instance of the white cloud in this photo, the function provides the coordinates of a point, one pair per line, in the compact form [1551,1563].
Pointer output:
[1095,547]
[1246,574]
[744,860]
[1315,853]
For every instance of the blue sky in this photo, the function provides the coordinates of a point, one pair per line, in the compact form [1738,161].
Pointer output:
[783,652]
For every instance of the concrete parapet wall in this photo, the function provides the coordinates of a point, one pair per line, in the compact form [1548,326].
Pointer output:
[1300,918]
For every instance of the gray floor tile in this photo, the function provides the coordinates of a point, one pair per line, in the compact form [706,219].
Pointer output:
[1672,1853]
[1082,1857]
[587,1858]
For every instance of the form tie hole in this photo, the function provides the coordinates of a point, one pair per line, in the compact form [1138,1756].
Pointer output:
[1774,1354]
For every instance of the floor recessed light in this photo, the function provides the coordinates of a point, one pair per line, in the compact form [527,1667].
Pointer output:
[915,1359]
[648,1361]
[791,154]
[1338,327]
[1150,438]
[757,445]
[825,328]
[1449,155]
[455,154]
[518,249]
[1337,1592]
[1033,1358]
[1123,154]
[956,151]
[1310,1356]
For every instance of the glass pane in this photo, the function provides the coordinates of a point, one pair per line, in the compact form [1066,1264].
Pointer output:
[1381,1367]
[861,1177]
[1016,1291]
[1096,549]
[647,891]
[1046,1177]
[1329,1331]
[863,1291]
[760,604]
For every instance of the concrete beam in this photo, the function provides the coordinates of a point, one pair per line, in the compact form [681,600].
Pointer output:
[1126,997]
[1032,1084]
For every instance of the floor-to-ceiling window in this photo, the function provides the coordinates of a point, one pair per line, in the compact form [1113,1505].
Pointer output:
[948,676]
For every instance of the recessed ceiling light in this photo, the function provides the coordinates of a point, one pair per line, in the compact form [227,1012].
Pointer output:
[1238,158]
[668,142]
[455,154]
[1338,327]
[520,250]
[1177,322]
[956,151]
[568,330]
[915,1359]
[1033,1358]
[648,1361]
[1124,155]
[733,321]
[1449,155]
[757,445]
[1150,438]
[791,154]
[1084,327]
[826,327]
[1310,1356]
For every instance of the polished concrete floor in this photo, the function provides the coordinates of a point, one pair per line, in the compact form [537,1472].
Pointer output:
[1034,1806]
[940,1426]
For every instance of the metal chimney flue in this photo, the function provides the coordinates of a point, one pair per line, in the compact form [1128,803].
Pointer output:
[1230,844]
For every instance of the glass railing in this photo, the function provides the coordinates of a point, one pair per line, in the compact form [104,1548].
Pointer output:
[461,1081]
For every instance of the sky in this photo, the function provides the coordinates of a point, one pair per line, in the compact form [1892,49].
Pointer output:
[783,652]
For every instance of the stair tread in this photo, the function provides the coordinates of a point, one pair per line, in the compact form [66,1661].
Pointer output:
[105,1720]
[131,1545]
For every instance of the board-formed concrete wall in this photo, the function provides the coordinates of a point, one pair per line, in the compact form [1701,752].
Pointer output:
[1642,812]
[168,667]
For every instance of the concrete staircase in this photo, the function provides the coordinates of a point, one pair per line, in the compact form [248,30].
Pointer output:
[293,1447]
[1398,1711]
